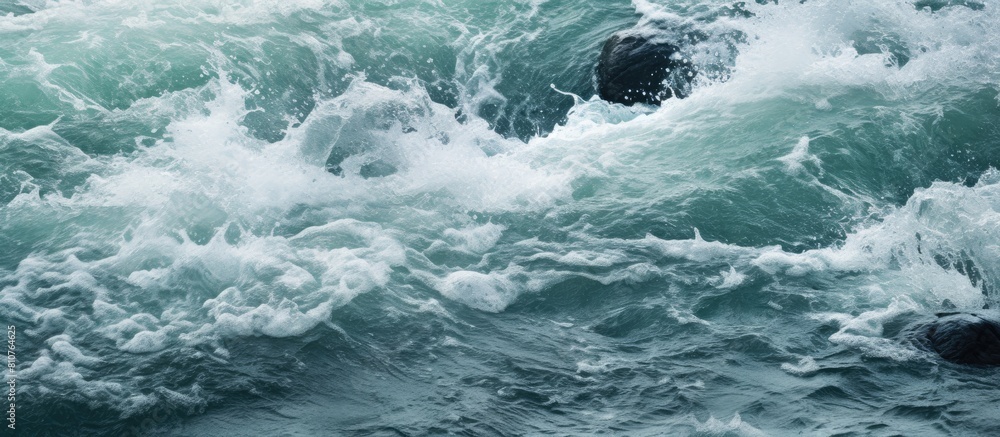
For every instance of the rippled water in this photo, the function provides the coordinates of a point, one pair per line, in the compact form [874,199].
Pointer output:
[325,217]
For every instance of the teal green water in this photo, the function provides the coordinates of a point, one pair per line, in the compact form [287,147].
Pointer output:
[323,217]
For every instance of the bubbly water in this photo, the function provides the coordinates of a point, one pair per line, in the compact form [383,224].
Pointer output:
[409,217]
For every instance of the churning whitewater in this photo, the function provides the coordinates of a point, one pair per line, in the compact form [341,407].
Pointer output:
[419,217]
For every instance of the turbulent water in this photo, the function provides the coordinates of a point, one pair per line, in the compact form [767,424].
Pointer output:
[409,217]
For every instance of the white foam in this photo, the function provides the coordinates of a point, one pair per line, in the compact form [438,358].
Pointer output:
[61,345]
[698,249]
[735,426]
[799,155]
[805,367]
[63,378]
[864,332]
[209,168]
[145,342]
[731,278]
[603,365]
[486,292]
[439,155]
[584,258]
[141,21]
[475,239]
[946,220]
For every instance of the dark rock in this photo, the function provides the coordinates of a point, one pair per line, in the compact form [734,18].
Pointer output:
[965,338]
[638,69]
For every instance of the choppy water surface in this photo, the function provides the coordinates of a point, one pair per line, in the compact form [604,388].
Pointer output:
[324,217]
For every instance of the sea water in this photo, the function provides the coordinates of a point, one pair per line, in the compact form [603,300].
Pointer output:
[410,217]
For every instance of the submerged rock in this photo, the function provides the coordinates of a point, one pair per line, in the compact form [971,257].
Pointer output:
[965,338]
[638,69]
